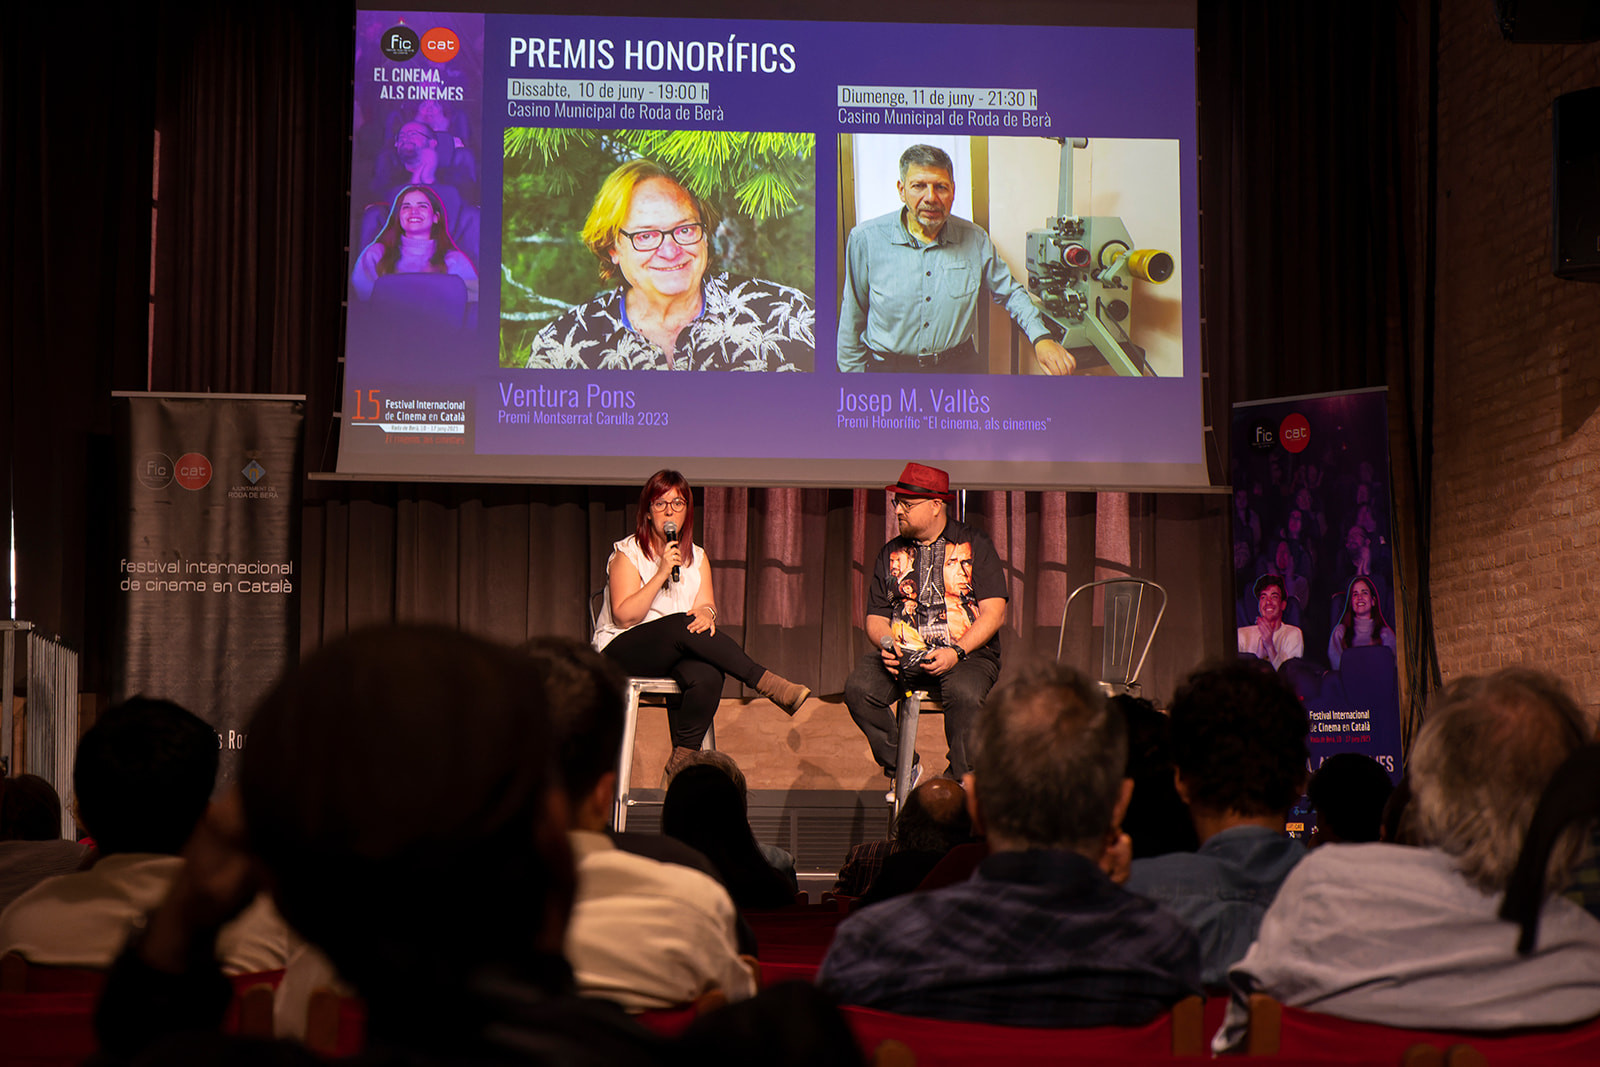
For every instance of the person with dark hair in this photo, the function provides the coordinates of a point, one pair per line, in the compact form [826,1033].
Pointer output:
[31,848]
[419,155]
[1039,935]
[659,617]
[643,933]
[1239,747]
[704,810]
[414,240]
[934,611]
[1349,792]
[30,810]
[779,859]
[1412,936]
[1157,819]
[143,778]
[933,820]
[913,279]
[1271,638]
[1361,622]
[671,310]
[442,896]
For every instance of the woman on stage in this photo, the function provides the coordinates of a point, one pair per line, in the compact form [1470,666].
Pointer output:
[659,618]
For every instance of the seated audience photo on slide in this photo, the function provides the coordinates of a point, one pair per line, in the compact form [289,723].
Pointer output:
[937,230]
[416,240]
[704,245]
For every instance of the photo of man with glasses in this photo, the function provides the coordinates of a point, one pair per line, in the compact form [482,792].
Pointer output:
[934,612]
[671,309]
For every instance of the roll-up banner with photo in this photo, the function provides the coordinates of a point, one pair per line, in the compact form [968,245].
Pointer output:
[1312,562]
[208,548]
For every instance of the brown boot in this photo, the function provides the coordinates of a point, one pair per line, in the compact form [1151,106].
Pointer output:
[675,762]
[782,692]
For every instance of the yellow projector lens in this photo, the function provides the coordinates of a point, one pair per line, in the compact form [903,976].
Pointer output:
[1150,264]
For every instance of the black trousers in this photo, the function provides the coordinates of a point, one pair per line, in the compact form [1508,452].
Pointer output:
[664,648]
[870,694]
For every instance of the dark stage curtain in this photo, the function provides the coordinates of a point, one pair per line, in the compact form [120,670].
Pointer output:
[1307,242]
[791,566]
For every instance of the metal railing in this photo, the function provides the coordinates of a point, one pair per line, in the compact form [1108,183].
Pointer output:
[50,702]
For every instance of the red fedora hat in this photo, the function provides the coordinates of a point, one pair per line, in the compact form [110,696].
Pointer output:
[917,480]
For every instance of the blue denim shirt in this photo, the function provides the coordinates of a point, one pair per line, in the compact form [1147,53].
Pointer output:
[1221,891]
[905,297]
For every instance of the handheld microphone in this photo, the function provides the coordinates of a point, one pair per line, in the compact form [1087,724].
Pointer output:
[672,535]
[887,644]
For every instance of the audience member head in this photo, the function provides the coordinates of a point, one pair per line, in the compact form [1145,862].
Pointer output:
[586,700]
[416,214]
[1480,764]
[1048,756]
[704,809]
[723,762]
[1271,596]
[934,818]
[1239,745]
[399,788]
[1349,791]
[412,139]
[1157,819]
[30,810]
[1361,602]
[143,777]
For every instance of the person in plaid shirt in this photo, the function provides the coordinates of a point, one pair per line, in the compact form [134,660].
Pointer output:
[1039,935]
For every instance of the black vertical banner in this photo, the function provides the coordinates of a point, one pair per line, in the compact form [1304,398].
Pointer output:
[208,552]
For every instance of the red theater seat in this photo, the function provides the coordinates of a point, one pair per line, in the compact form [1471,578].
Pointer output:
[1276,1030]
[942,1043]
[46,1029]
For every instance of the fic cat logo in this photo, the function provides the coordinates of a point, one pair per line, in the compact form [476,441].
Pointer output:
[154,470]
[440,45]
[194,471]
[400,44]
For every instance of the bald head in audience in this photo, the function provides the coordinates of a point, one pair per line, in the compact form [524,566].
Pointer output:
[1048,764]
[934,818]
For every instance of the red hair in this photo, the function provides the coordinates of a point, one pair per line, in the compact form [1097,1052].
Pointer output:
[660,484]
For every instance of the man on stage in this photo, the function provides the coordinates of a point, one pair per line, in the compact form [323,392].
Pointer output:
[912,280]
[934,612]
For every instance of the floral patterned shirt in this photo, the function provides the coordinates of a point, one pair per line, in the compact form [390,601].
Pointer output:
[747,324]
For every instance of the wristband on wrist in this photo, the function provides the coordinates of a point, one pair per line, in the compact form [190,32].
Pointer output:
[961,653]
[711,608]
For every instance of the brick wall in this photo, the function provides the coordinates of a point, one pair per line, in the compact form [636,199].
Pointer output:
[1516,522]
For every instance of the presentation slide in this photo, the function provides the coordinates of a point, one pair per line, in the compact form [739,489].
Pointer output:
[860,243]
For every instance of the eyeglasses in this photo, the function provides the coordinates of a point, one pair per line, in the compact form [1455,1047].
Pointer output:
[903,504]
[690,233]
[673,506]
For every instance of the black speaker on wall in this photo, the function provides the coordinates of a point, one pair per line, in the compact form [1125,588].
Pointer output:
[1575,186]
[1548,21]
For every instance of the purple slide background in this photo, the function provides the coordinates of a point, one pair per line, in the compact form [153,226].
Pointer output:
[1101,429]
